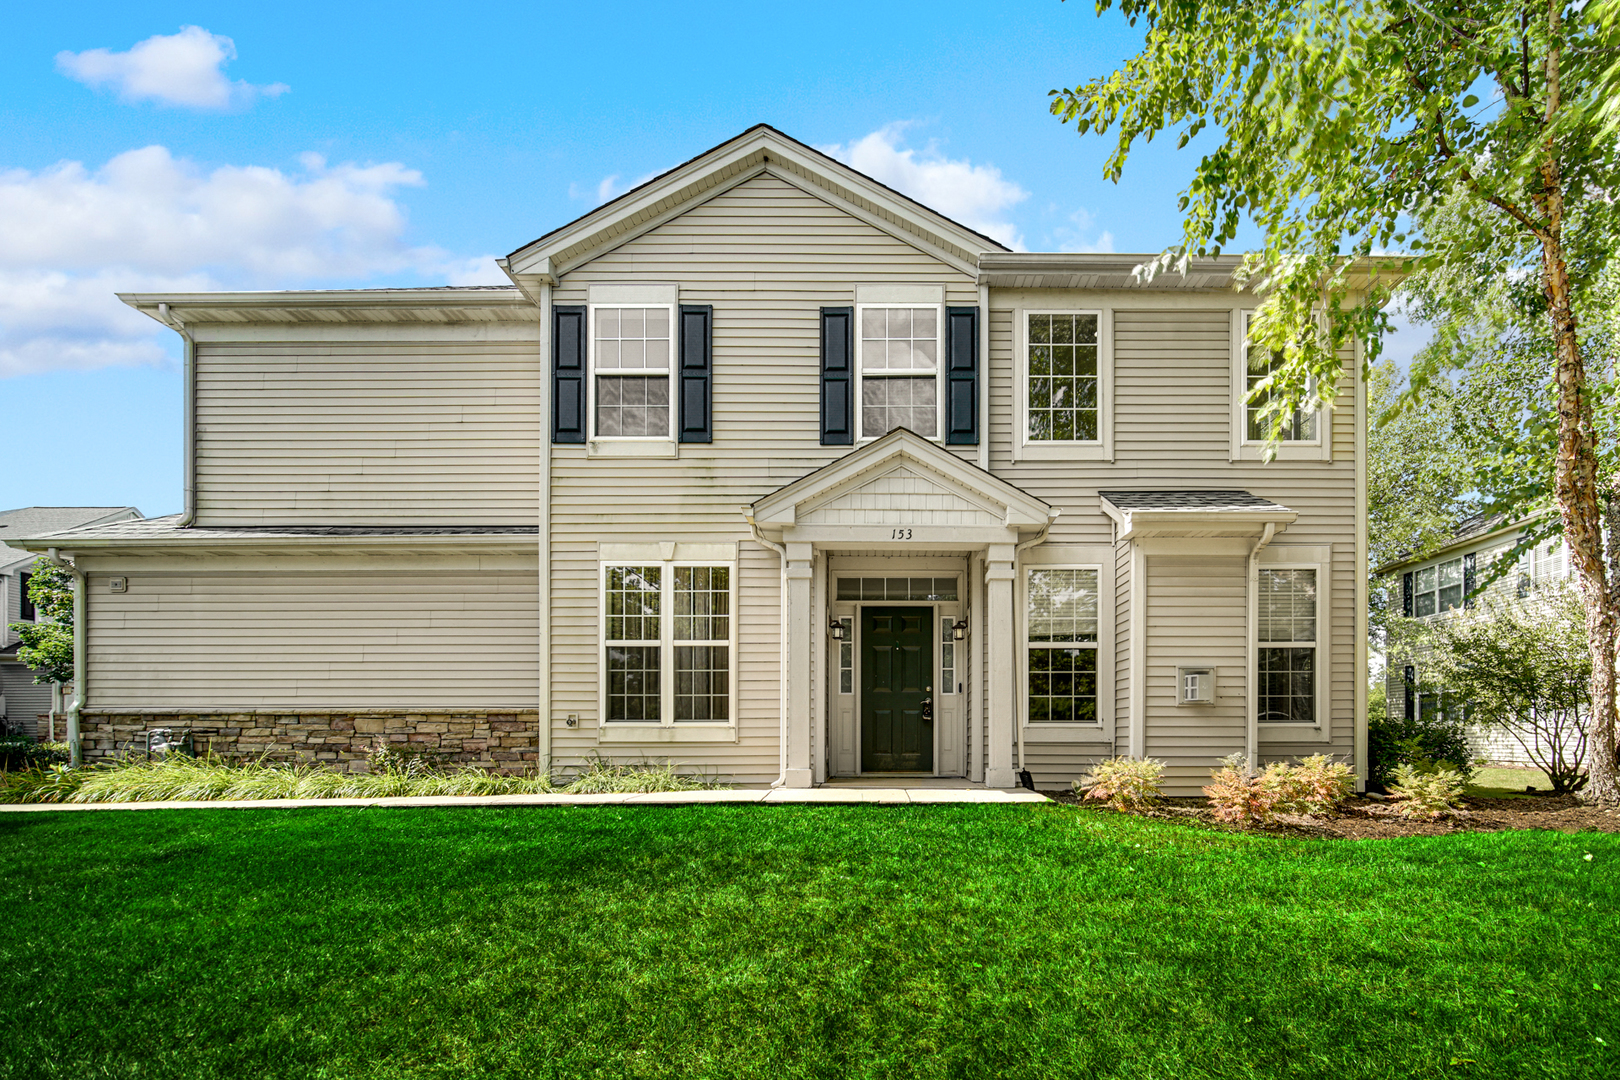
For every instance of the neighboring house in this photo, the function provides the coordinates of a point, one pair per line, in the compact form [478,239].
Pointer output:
[27,704]
[761,467]
[1454,577]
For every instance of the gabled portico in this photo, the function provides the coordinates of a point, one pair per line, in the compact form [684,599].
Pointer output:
[899,497]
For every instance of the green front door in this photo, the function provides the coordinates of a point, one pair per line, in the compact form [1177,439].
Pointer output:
[897,690]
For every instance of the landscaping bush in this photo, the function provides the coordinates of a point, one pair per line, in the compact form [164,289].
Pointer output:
[21,752]
[1125,783]
[1240,795]
[1393,741]
[601,776]
[1315,787]
[1426,794]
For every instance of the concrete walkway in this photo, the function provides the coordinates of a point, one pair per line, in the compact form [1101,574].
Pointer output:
[832,795]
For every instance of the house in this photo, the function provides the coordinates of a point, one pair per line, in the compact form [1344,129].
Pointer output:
[761,467]
[1456,576]
[24,704]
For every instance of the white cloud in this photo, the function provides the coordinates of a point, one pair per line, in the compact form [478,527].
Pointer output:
[976,195]
[607,189]
[146,221]
[1079,235]
[180,69]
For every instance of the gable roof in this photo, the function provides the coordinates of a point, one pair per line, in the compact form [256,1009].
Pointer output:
[760,149]
[959,486]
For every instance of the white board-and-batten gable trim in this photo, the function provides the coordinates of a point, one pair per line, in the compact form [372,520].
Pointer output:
[910,472]
[760,150]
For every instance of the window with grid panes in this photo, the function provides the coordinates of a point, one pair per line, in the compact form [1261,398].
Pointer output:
[1438,588]
[1062,391]
[1061,631]
[899,358]
[668,645]
[630,356]
[1260,363]
[1286,607]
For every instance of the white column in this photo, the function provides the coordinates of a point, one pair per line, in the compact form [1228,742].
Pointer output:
[800,771]
[1003,710]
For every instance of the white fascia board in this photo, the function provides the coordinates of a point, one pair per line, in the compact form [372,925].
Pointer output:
[493,543]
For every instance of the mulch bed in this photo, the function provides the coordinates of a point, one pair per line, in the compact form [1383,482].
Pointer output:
[1367,819]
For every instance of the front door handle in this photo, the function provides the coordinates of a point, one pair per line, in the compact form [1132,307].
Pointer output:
[927,708]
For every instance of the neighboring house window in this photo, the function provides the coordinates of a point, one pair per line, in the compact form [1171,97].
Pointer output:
[1287,629]
[1548,562]
[668,643]
[1438,588]
[1061,387]
[898,360]
[25,603]
[630,363]
[1061,627]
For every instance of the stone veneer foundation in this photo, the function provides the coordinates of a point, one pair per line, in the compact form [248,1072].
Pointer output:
[501,741]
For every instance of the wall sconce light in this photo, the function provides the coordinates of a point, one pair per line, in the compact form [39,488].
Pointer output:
[959,630]
[836,629]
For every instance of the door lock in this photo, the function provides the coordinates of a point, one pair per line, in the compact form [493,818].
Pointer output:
[927,708]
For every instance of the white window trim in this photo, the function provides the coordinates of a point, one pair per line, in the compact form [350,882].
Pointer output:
[1103,729]
[1317,449]
[939,369]
[1435,565]
[1321,730]
[666,729]
[630,443]
[1099,449]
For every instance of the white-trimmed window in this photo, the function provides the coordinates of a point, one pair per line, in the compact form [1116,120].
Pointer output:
[1547,562]
[1289,618]
[632,363]
[1063,390]
[1302,433]
[668,643]
[1439,588]
[1061,639]
[898,350]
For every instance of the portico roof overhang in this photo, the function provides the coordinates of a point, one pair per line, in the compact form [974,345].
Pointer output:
[904,488]
[1194,514]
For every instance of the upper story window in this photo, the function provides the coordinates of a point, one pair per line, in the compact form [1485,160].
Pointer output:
[1438,588]
[898,361]
[1547,562]
[25,603]
[1302,431]
[1062,385]
[630,356]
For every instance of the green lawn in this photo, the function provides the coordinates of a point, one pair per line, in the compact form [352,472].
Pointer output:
[966,941]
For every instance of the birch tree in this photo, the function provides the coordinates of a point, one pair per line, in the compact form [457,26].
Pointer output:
[1480,137]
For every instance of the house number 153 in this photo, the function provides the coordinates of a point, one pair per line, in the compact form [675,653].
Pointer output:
[901,534]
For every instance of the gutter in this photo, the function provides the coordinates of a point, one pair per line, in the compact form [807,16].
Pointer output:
[80,665]
[1252,729]
[189,364]
[782,635]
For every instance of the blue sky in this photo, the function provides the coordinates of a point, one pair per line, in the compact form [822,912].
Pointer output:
[167,146]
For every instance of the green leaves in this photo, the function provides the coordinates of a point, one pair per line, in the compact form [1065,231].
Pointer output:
[47,645]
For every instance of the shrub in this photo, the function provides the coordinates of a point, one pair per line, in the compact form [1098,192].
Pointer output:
[1393,741]
[1431,795]
[18,751]
[602,777]
[1240,795]
[1125,783]
[1316,786]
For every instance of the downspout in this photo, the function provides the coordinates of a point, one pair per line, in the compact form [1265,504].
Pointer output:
[1018,552]
[782,635]
[80,667]
[189,431]
[543,744]
[1252,732]
[984,377]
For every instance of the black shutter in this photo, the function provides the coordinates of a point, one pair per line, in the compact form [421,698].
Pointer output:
[962,376]
[697,367]
[1409,679]
[837,376]
[25,605]
[1468,581]
[1406,595]
[568,399]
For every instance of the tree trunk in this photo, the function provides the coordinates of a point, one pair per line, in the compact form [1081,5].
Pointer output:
[1575,484]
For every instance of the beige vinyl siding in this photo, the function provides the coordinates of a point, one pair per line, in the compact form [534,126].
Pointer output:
[767,255]
[1196,614]
[27,701]
[1123,644]
[306,638]
[368,433]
